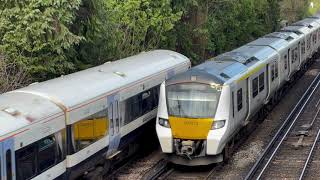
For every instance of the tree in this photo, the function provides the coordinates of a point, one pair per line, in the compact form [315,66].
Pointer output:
[35,34]
[117,29]
[12,76]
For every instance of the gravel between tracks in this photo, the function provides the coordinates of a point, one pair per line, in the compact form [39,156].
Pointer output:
[137,169]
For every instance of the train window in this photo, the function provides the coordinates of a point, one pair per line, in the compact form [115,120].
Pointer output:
[276,70]
[261,82]
[292,56]
[26,162]
[150,100]
[285,62]
[239,99]
[110,112]
[47,153]
[133,109]
[116,114]
[232,99]
[9,164]
[255,87]
[296,54]
[309,43]
[90,129]
[272,72]
[141,104]
[40,156]
[303,47]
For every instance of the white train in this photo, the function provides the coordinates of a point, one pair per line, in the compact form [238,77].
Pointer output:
[63,128]
[202,110]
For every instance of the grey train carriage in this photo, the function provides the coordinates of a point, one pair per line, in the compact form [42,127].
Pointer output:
[218,98]
[62,128]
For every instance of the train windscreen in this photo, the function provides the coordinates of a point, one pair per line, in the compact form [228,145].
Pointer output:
[192,100]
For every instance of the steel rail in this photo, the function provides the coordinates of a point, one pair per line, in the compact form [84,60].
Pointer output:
[157,170]
[309,156]
[293,114]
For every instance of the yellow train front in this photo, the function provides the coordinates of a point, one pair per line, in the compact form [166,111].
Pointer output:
[192,124]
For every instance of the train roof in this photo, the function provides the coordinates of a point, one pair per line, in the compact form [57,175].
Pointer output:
[299,30]
[275,43]
[308,22]
[210,72]
[276,40]
[78,88]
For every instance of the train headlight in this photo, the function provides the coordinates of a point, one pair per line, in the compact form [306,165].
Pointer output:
[218,124]
[164,122]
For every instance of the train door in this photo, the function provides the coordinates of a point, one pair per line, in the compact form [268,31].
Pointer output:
[8,159]
[247,91]
[114,121]
[286,66]
[299,54]
[1,162]
[289,64]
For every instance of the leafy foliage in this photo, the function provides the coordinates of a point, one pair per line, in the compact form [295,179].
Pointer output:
[48,38]
[119,29]
[35,34]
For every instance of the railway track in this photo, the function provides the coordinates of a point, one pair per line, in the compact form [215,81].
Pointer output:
[313,165]
[165,171]
[290,152]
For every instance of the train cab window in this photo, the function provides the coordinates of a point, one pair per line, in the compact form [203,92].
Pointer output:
[239,99]
[26,162]
[39,156]
[90,129]
[285,62]
[9,164]
[261,82]
[255,88]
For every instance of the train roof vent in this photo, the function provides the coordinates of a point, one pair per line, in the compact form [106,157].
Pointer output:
[294,31]
[11,111]
[224,75]
[276,35]
[252,59]
[310,26]
[289,38]
[33,83]
[121,74]
[297,32]
[174,56]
